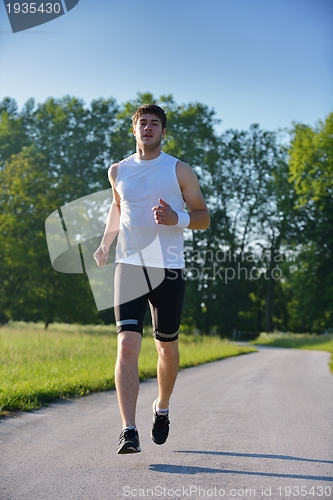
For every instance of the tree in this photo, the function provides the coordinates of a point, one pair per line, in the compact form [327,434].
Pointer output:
[247,178]
[30,289]
[61,152]
[311,175]
[311,162]
[13,132]
[75,140]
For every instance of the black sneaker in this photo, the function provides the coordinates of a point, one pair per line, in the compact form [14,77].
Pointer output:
[129,441]
[160,429]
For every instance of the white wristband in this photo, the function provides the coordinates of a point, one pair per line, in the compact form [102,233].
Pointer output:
[183,219]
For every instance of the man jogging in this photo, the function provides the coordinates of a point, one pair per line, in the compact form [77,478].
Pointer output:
[149,191]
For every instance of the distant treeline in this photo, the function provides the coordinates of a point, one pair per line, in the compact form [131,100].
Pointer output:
[265,263]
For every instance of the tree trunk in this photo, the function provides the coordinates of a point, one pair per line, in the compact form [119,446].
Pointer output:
[47,322]
[269,304]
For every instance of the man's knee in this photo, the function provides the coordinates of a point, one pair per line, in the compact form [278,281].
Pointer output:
[129,344]
[167,350]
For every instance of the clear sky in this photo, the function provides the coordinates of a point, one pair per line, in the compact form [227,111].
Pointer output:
[253,61]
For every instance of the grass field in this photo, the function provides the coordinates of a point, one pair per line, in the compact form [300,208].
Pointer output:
[38,366]
[298,341]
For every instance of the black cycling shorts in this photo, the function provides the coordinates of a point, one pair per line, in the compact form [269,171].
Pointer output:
[162,289]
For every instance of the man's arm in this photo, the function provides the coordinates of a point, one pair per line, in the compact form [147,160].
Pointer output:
[189,185]
[198,211]
[112,224]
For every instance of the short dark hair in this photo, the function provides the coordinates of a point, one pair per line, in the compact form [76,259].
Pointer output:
[151,109]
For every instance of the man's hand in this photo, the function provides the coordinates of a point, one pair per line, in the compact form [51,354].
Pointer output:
[101,255]
[163,214]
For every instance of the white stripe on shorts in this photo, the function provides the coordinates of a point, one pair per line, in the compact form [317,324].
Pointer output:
[166,335]
[127,322]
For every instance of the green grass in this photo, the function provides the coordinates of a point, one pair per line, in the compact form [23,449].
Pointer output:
[38,366]
[298,341]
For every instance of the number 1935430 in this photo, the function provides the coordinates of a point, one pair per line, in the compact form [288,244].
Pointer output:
[33,8]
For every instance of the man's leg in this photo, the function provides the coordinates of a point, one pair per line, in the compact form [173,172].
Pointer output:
[126,375]
[129,307]
[166,303]
[167,370]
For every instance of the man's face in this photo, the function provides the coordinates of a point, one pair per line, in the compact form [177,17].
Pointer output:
[148,131]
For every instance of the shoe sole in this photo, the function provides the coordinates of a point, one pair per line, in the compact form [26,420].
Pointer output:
[128,449]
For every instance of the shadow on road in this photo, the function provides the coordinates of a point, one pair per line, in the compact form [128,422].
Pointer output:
[254,455]
[182,469]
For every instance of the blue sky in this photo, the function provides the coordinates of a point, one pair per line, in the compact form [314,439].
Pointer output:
[253,61]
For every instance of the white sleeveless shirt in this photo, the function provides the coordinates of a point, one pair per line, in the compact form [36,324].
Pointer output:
[141,241]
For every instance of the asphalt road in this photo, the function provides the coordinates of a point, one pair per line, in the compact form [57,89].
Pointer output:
[255,426]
